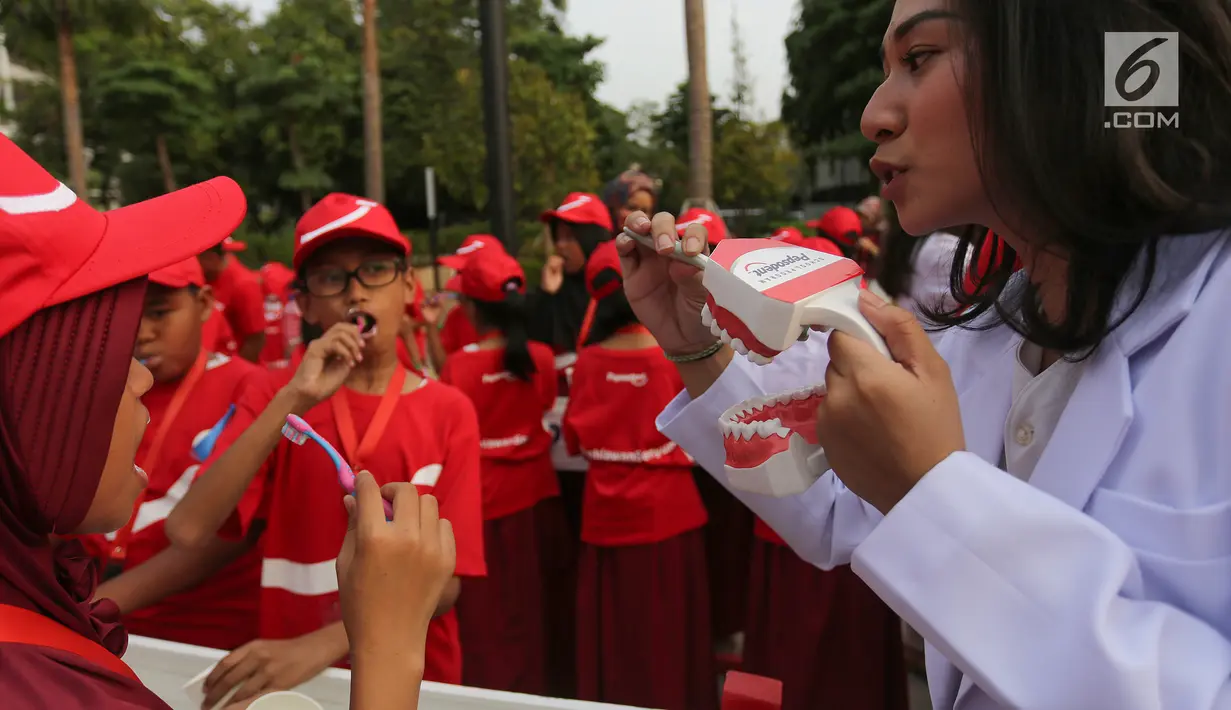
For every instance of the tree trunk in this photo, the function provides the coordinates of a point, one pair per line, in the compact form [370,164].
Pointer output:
[374,178]
[164,163]
[74,140]
[292,142]
[700,120]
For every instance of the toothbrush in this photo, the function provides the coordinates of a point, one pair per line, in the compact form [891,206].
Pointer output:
[765,295]
[297,431]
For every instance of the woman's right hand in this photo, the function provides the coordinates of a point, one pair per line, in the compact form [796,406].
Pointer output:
[666,294]
[391,574]
[327,362]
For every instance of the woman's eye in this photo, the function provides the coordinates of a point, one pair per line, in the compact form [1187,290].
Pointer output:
[915,59]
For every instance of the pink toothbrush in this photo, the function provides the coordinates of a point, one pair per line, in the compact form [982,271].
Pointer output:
[298,431]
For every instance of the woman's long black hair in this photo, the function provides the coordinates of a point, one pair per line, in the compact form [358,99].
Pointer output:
[1103,197]
[511,319]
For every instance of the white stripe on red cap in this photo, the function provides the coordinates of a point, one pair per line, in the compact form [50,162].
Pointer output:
[364,207]
[58,199]
[308,580]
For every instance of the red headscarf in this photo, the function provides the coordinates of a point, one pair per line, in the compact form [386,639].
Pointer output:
[62,374]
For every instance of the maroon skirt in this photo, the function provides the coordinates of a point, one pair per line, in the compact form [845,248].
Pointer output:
[643,625]
[500,616]
[558,550]
[728,550]
[825,635]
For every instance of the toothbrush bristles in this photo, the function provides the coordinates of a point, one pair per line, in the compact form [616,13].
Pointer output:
[294,435]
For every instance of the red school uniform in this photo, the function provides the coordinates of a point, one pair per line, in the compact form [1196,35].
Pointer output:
[516,449]
[639,487]
[643,614]
[276,290]
[431,439]
[222,612]
[504,618]
[829,639]
[238,296]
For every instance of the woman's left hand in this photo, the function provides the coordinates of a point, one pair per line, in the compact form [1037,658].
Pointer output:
[266,665]
[884,424]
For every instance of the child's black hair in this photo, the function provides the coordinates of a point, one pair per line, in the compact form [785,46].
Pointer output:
[511,318]
[612,313]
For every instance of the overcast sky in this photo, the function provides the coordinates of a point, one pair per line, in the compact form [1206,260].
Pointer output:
[655,28]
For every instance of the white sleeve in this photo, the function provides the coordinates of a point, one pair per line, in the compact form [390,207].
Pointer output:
[1052,624]
[929,283]
[824,524]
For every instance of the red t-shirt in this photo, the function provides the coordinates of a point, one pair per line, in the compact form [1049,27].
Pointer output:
[222,612]
[237,294]
[639,488]
[432,440]
[516,449]
[217,336]
[275,349]
[765,532]
[457,331]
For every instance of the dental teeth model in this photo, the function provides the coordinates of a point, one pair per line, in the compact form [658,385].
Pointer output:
[764,296]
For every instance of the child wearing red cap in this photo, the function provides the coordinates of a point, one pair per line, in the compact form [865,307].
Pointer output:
[352,390]
[279,341]
[512,383]
[207,597]
[642,602]
[238,296]
[454,330]
[578,226]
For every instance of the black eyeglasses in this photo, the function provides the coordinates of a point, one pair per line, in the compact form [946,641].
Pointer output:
[334,281]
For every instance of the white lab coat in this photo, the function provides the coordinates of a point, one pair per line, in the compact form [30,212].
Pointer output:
[1102,583]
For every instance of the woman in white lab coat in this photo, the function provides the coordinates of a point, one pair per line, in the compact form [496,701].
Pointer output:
[1046,494]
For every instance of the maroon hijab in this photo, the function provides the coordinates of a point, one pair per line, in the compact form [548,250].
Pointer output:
[62,374]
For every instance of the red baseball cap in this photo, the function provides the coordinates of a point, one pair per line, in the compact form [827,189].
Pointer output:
[57,248]
[470,245]
[233,244]
[489,275]
[580,208]
[604,260]
[823,244]
[181,274]
[841,224]
[277,278]
[715,228]
[788,235]
[340,215]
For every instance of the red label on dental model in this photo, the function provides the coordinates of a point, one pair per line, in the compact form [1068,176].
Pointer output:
[783,272]
[737,330]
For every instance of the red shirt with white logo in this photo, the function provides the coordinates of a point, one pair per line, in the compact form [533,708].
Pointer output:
[457,331]
[273,307]
[517,468]
[639,488]
[431,440]
[238,295]
[222,612]
[216,334]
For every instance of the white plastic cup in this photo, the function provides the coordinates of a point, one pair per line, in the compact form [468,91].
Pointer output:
[285,700]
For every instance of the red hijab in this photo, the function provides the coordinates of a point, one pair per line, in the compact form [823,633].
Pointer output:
[62,374]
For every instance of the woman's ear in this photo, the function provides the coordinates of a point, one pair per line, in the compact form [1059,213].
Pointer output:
[205,303]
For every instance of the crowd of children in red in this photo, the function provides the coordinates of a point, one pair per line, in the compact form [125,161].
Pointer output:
[607,595]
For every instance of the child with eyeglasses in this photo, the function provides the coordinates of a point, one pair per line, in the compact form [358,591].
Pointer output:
[351,388]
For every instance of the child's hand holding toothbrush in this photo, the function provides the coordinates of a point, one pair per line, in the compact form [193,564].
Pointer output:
[327,362]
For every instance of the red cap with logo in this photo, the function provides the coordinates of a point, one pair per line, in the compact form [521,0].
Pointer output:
[841,224]
[489,275]
[340,215]
[57,248]
[601,282]
[181,274]
[580,208]
[715,227]
[470,245]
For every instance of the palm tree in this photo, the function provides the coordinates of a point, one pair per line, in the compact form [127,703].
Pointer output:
[373,149]
[74,138]
[700,120]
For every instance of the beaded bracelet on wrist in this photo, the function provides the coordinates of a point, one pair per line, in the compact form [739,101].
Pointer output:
[705,354]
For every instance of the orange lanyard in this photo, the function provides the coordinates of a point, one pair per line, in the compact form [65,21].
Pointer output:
[358,452]
[178,399]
